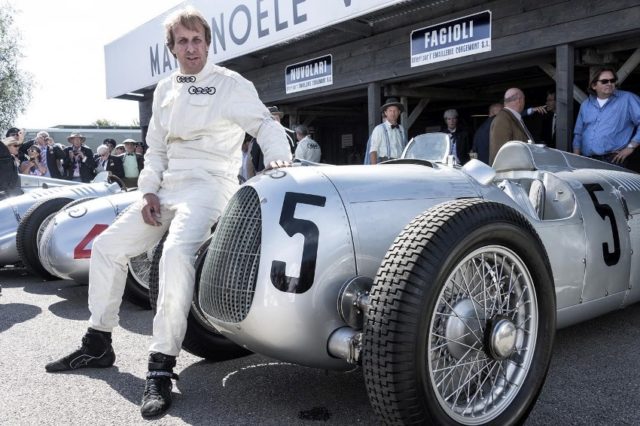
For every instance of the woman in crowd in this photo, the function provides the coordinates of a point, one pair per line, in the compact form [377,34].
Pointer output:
[33,166]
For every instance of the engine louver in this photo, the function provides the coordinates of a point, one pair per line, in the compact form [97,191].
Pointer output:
[230,270]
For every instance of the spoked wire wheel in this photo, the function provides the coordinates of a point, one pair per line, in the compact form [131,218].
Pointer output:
[461,319]
[140,266]
[482,335]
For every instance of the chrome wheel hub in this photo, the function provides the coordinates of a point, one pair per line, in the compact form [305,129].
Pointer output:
[502,339]
[482,335]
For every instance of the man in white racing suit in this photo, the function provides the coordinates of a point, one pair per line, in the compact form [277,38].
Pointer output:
[200,116]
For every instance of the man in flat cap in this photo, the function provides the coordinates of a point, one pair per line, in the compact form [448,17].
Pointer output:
[388,139]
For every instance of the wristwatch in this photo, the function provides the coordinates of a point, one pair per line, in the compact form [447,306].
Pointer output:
[632,145]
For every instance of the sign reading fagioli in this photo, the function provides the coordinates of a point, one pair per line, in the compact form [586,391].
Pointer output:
[309,74]
[238,27]
[452,39]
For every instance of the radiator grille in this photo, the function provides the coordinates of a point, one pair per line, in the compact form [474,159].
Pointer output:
[230,270]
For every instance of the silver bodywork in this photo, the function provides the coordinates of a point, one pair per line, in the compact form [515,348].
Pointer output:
[13,209]
[586,212]
[66,241]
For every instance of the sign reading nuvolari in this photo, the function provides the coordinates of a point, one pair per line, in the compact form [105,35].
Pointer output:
[309,74]
[453,39]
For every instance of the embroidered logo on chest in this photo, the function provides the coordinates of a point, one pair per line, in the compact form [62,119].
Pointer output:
[195,90]
[186,78]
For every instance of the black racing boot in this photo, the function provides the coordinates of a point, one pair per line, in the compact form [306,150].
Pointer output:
[96,352]
[157,391]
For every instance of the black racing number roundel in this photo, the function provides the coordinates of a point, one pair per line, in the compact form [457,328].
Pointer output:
[310,232]
[605,211]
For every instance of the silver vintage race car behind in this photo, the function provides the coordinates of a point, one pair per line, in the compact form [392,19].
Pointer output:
[66,239]
[445,283]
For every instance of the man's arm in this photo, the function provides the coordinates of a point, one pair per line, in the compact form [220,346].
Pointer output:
[577,131]
[375,145]
[246,110]
[499,134]
[155,159]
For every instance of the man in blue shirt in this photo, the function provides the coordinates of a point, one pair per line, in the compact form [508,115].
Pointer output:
[607,125]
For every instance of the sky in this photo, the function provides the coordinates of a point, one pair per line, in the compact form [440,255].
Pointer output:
[62,43]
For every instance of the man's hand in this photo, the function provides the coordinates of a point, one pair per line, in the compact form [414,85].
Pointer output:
[622,155]
[278,164]
[151,209]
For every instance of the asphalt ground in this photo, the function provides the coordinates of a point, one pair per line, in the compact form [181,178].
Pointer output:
[594,377]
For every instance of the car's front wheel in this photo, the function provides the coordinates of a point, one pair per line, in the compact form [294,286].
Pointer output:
[462,319]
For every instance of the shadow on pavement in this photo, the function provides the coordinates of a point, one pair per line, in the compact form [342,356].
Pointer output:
[268,391]
[15,313]
[127,385]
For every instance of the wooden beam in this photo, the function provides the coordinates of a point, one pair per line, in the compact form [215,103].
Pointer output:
[578,94]
[416,113]
[628,66]
[564,96]
[373,105]
[355,27]
[429,92]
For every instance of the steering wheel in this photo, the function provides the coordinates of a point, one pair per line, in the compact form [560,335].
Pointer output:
[113,178]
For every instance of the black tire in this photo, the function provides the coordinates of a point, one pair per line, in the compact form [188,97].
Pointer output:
[28,233]
[201,338]
[428,342]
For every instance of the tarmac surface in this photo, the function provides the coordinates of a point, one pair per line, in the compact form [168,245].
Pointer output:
[594,377]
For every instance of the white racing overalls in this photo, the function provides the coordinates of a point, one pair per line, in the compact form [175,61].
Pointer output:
[194,138]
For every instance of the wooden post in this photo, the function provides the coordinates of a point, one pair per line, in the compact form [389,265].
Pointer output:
[373,105]
[564,97]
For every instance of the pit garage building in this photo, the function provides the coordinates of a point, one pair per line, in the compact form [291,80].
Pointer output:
[331,63]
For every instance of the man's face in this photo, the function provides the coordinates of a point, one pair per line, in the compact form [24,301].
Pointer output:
[392,113]
[190,49]
[452,122]
[604,90]
[129,148]
[41,140]
[551,102]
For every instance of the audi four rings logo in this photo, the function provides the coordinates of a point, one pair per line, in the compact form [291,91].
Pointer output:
[195,90]
[186,79]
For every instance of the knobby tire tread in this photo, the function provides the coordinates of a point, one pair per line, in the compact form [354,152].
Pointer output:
[404,275]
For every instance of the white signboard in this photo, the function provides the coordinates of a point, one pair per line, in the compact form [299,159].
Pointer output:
[140,59]
[309,74]
[452,39]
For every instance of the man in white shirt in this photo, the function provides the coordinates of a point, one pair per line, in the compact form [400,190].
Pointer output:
[200,116]
[389,138]
[307,148]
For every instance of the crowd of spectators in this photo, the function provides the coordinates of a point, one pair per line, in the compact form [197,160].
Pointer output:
[42,156]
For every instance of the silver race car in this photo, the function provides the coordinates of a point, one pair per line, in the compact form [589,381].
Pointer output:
[445,283]
[65,240]
[38,204]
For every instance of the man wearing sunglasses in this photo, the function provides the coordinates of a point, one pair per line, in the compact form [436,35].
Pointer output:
[607,125]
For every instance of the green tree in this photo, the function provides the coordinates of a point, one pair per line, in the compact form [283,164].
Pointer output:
[15,84]
[103,122]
